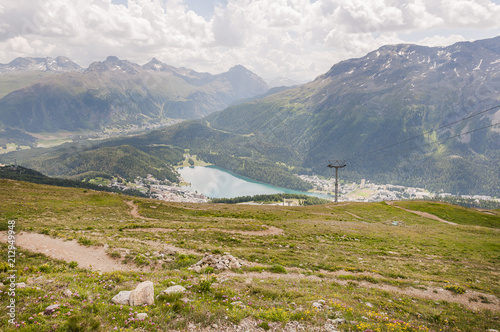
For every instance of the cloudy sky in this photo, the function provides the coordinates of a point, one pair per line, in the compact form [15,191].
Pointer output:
[299,39]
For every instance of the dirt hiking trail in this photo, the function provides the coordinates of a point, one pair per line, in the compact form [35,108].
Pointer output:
[93,258]
[422,214]
[134,212]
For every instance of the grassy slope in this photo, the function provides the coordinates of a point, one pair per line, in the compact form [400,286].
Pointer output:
[356,241]
[455,214]
[12,81]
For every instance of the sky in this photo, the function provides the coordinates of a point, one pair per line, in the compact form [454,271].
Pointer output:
[296,39]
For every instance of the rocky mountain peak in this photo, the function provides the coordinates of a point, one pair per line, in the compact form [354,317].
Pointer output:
[59,64]
[113,63]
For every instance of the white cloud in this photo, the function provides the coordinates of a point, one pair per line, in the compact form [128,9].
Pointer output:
[440,40]
[296,38]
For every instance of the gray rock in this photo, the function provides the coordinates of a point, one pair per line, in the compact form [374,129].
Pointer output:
[50,309]
[317,305]
[143,294]
[337,321]
[122,298]
[369,304]
[142,316]
[173,290]
[21,285]
[68,293]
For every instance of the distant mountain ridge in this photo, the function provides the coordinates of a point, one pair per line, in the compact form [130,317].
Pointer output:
[59,64]
[114,93]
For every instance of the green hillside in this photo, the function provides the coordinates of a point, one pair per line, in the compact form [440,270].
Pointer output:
[13,81]
[125,161]
[372,266]
[20,173]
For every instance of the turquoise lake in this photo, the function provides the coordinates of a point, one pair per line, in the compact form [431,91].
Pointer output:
[215,182]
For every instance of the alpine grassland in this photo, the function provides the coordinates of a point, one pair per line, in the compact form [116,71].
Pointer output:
[336,266]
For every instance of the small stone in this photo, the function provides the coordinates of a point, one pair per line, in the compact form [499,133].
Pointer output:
[338,321]
[317,305]
[491,330]
[21,285]
[174,289]
[122,298]
[215,326]
[142,316]
[142,294]
[68,292]
[368,304]
[50,309]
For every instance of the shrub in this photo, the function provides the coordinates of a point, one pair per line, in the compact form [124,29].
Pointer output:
[277,269]
[116,276]
[4,267]
[141,260]
[455,289]
[115,254]
[169,298]
[73,265]
[264,325]
[208,270]
[85,241]
[205,284]
[44,268]
[4,226]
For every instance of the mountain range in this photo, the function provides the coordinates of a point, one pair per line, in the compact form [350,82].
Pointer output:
[48,95]
[394,115]
[402,114]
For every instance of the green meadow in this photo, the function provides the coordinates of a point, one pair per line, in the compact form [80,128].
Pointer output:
[370,266]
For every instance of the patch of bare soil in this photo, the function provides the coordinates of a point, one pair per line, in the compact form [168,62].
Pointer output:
[134,212]
[422,214]
[271,230]
[93,258]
